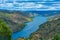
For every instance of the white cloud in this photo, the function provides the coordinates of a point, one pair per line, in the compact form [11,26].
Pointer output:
[31,6]
[9,4]
[51,8]
[1,5]
[39,6]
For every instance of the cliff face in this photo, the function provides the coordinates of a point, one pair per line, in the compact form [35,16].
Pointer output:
[16,19]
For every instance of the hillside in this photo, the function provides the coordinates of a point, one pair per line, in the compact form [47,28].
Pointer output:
[16,19]
[47,31]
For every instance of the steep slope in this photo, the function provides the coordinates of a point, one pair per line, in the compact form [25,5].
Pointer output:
[16,19]
[47,30]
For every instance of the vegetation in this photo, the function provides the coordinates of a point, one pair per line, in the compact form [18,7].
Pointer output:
[50,30]
[5,31]
[56,37]
[15,19]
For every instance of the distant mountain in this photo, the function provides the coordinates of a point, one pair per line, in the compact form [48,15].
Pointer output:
[46,13]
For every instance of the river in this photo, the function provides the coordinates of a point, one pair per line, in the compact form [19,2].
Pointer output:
[30,27]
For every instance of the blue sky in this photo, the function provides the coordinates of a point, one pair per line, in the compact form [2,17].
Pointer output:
[33,5]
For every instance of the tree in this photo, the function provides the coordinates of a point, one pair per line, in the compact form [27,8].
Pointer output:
[5,31]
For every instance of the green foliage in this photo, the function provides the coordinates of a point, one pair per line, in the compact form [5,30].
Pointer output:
[5,32]
[56,37]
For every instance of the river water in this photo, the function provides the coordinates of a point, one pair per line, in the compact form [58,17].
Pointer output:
[30,27]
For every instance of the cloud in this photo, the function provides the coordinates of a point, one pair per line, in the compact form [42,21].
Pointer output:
[1,5]
[9,4]
[51,8]
[31,6]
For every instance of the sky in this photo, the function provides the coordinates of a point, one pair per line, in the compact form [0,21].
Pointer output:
[29,5]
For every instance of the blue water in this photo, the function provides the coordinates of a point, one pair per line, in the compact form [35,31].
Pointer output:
[30,27]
